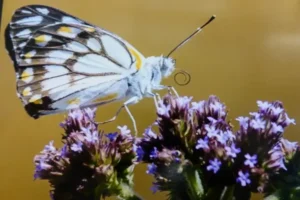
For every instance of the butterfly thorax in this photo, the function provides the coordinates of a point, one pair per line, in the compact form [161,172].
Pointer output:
[149,77]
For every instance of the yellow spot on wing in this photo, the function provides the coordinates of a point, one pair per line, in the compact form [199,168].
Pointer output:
[27,75]
[40,39]
[138,59]
[29,55]
[107,97]
[36,99]
[27,91]
[75,101]
[65,29]
[89,29]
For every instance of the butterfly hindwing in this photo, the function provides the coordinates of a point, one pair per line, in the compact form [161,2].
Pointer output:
[62,62]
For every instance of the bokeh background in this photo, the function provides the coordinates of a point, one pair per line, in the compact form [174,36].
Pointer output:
[250,52]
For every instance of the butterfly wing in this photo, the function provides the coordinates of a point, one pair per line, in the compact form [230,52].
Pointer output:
[63,62]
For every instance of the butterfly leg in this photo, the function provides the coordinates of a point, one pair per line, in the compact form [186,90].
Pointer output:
[156,98]
[169,88]
[132,100]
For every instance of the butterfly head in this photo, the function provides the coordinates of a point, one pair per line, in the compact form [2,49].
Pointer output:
[167,66]
[160,67]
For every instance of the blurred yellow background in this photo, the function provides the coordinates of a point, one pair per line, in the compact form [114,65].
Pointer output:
[250,52]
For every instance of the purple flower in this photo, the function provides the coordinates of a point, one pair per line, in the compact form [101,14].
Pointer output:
[139,152]
[211,131]
[202,144]
[250,160]
[163,109]
[199,106]
[105,161]
[256,115]
[153,153]
[228,135]
[289,121]
[182,102]
[288,148]
[204,137]
[212,120]
[263,105]
[222,138]
[76,114]
[257,124]
[49,147]
[124,130]
[154,188]
[232,151]
[276,159]
[112,136]
[243,178]
[243,121]
[40,166]
[149,134]
[91,137]
[90,112]
[214,165]
[151,169]
[77,147]
[276,128]
[64,151]
[218,108]
[276,110]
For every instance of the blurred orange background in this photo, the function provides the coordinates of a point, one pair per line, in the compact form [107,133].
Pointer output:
[249,53]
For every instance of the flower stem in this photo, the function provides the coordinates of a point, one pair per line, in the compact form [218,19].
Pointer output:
[227,193]
[194,183]
[127,193]
[214,192]
[220,192]
[274,196]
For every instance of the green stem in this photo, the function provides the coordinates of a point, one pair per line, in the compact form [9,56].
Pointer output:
[227,193]
[214,192]
[127,193]
[220,193]
[274,196]
[194,183]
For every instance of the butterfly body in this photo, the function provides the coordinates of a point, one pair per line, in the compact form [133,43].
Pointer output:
[63,63]
[149,77]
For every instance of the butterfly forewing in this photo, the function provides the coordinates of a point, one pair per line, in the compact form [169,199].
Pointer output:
[62,62]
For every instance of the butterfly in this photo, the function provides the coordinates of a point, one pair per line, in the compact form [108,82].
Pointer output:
[63,63]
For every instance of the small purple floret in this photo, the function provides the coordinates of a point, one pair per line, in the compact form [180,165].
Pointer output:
[243,178]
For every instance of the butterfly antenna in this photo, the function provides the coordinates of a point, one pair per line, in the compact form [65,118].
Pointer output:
[193,34]
[187,78]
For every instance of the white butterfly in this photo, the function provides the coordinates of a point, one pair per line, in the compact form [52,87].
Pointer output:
[64,63]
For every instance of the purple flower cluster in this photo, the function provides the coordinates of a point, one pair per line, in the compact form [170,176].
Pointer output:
[196,135]
[191,150]
[260,139]
[90,164]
